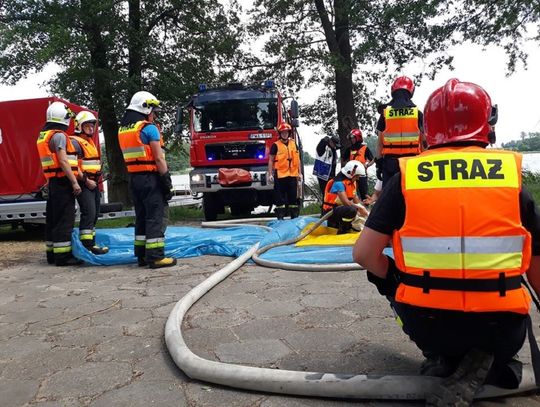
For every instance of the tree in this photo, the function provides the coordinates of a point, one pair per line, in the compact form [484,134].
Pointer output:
[349,47]
[108,49]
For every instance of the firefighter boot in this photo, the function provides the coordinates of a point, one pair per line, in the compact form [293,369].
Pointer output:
[99,250]
[141,262]
[50,257]
[280,212]
[164,262]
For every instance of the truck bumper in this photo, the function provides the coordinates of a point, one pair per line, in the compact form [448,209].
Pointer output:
[206,180]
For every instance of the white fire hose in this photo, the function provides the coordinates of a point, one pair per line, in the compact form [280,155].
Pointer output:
[319,384]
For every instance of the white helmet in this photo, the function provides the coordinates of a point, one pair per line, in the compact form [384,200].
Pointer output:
[82,117]
[353,168]
[58,112]
[143,102]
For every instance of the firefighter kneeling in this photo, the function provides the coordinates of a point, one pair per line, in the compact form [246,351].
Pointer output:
[340,196]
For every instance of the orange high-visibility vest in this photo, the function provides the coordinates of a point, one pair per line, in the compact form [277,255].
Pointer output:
[462,246]
[359,155]
[137,155]
[331,199]
[49,159]
[90,162]
[287,159]
[401,135]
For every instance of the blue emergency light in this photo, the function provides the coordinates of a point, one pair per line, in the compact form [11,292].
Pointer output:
[269,83]
[202,87]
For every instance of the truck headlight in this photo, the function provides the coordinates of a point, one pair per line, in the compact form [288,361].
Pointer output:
[197,178]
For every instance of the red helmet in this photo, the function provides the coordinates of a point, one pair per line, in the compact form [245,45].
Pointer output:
[284,127]
[355,136]
[403,82]
[459,111]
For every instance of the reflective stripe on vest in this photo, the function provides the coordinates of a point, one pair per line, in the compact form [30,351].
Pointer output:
[137,155]
[359,155]
[462,246]
[332,200]
[90,162]
[401,135]
[287,159]
[50,163]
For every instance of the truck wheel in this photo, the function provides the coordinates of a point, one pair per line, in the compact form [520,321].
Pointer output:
[210,207]
[241,210]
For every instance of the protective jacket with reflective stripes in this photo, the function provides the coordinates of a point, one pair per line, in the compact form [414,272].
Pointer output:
[359,155]
[462,246]
[287,159]
[137,155]
[49,159]
[331,200]
[401,135]
[90,162]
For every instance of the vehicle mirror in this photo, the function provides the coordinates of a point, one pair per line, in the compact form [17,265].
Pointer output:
[295,122]
[294,109]
[178,121]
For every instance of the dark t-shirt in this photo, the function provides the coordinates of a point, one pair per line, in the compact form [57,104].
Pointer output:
[388,214]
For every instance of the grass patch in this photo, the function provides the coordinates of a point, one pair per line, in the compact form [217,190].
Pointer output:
[115,223]
[180,213]
[531,180]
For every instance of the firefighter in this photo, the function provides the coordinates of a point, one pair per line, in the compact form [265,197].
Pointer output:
[326,160]
[464,232]
[399,128]
[340,196]
[150,181]
[359,151]
[284,171]
[88,177]
[59,164]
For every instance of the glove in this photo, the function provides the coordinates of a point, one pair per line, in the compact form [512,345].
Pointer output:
[166,186]
[386,286]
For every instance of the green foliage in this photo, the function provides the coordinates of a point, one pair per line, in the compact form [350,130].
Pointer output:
[307,159]
[178,157]
[532,182]
[528,142]
[313,41]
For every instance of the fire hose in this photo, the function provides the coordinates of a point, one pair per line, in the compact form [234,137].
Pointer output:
[319,384]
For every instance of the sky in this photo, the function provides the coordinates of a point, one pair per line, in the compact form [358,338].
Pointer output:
[515,95]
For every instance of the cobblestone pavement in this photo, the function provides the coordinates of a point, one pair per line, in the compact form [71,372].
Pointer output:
[93,336]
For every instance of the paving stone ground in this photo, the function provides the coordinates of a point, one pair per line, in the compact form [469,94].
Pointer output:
[93,336]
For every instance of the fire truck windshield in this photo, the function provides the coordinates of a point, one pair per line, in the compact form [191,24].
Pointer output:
[235,114]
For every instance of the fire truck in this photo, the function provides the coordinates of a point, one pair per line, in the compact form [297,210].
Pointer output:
[232,128]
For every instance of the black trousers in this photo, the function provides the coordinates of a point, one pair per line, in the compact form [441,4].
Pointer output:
[322,185]
[89,203]
[60,219]
[342,218]
[452,334]
[362,188]
[285,195]
[150,222]
[390,166]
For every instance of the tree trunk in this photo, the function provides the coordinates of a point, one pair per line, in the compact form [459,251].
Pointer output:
[135,42]
[118,190]
[339,45]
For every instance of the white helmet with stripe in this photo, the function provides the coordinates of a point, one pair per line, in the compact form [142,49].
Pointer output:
[58,112]
[143,102]
[82,117]
[353,168]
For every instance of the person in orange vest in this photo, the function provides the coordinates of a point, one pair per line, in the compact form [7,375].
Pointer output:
[88,177]
[59,164]
[399,128]
[150,181]
[464,231]
[284,172]
[360,152]
[340,196]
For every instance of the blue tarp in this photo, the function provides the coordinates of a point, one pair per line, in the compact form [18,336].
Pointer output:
[181,242]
